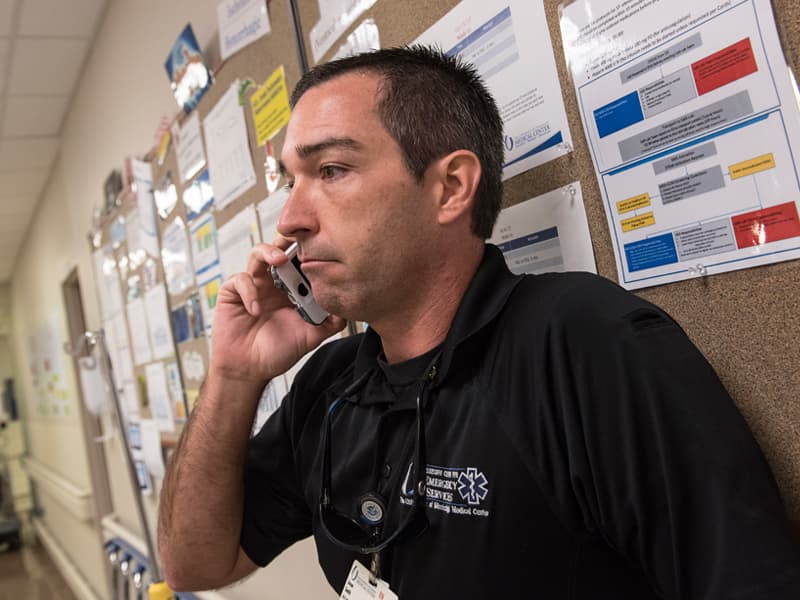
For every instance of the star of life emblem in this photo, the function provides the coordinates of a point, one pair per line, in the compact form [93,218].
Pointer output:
[473,485]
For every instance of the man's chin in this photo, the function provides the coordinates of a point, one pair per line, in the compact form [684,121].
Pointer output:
[339,305]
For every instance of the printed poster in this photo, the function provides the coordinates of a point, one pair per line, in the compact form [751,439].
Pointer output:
[509,44]
[176,257]
[143,236]
[548,233]
[335,17]
[270,106]
[229,161]
[236,239]
[269,211]
[694,131]
[241,22]
[208,272]
[187,70]
[189,152]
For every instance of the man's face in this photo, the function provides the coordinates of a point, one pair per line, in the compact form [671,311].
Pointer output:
[362,220]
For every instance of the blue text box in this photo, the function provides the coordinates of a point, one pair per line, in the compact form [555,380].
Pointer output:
[618,115]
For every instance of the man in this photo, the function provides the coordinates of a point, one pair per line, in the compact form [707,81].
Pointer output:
[490,435]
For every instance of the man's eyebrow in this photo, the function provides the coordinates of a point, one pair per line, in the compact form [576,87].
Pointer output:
[306,150]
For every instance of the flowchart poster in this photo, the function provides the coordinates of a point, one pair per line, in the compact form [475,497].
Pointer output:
[694,131]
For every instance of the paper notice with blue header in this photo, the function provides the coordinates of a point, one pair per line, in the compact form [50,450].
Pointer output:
[694,131]
[546,234]
[510,46]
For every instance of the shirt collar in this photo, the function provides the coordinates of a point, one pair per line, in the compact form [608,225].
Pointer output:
[485,297]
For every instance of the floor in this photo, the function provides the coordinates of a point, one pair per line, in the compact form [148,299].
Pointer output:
[29,574]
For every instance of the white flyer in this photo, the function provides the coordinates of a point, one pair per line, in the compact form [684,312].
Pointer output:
[129,400]
[96,393]
[509,44]
[269,211]
[335,17]
[235,239]
[548,233]
[241,22]
[230,164]
[271,398]
[176,256]
[189,147]
[137,320]
[175,387]
[205,256]
[365,38]
[159,327]
[107,276]
[136,245]
[148,227]
[694,129]
[151,447]
[158,396]
[123,369]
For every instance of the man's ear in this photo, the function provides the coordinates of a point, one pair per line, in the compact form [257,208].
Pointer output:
[460,173]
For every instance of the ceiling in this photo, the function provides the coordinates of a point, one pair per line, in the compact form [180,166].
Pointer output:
[43,47]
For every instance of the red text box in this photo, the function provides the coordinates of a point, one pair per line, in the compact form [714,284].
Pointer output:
[766,225]
[725,66]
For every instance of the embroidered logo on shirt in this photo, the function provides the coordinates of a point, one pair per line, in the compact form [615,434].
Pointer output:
[453,490]
[473,485]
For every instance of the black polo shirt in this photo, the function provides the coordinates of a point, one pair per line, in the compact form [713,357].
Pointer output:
[578,446]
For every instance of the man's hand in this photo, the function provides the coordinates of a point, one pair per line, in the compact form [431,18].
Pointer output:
[257,332]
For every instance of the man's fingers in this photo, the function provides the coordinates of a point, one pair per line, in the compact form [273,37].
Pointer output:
[242,288]
[263,256]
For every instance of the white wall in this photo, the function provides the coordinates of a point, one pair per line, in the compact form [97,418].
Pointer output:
[122,94]
[6,361]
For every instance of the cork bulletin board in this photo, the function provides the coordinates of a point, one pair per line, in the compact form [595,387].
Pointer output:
[746,322]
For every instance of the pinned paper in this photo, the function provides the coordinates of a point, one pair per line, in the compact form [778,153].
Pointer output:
[229,161]
[189,150]
[158,395]
[236,239]
[270,106]
[187,70]
[241,22]
[198,196]
[151,447]
[176,257]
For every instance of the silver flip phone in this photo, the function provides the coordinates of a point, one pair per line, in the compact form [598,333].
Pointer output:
[289,278]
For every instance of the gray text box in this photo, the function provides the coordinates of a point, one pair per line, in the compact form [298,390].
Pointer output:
[663,94]
[705,239]
[700,120]
[660,58]
[685,157]
[695,184]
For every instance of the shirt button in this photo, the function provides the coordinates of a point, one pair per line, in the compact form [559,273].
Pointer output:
[387,470]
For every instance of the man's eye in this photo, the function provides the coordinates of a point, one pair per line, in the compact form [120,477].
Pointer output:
[330,171]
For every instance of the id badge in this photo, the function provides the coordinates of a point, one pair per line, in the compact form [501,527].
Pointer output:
[358,586]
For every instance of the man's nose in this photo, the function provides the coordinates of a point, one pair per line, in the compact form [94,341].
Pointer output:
[297,217]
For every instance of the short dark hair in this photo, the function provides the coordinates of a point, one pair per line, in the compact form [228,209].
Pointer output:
[432,104]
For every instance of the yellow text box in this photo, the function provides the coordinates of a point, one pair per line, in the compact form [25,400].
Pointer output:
[638,222]
[635,203]
[270,106]
[752,166]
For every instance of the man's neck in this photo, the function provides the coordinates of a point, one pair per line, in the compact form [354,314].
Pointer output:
[425,326]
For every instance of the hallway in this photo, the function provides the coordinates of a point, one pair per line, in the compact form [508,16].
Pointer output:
[29,574]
